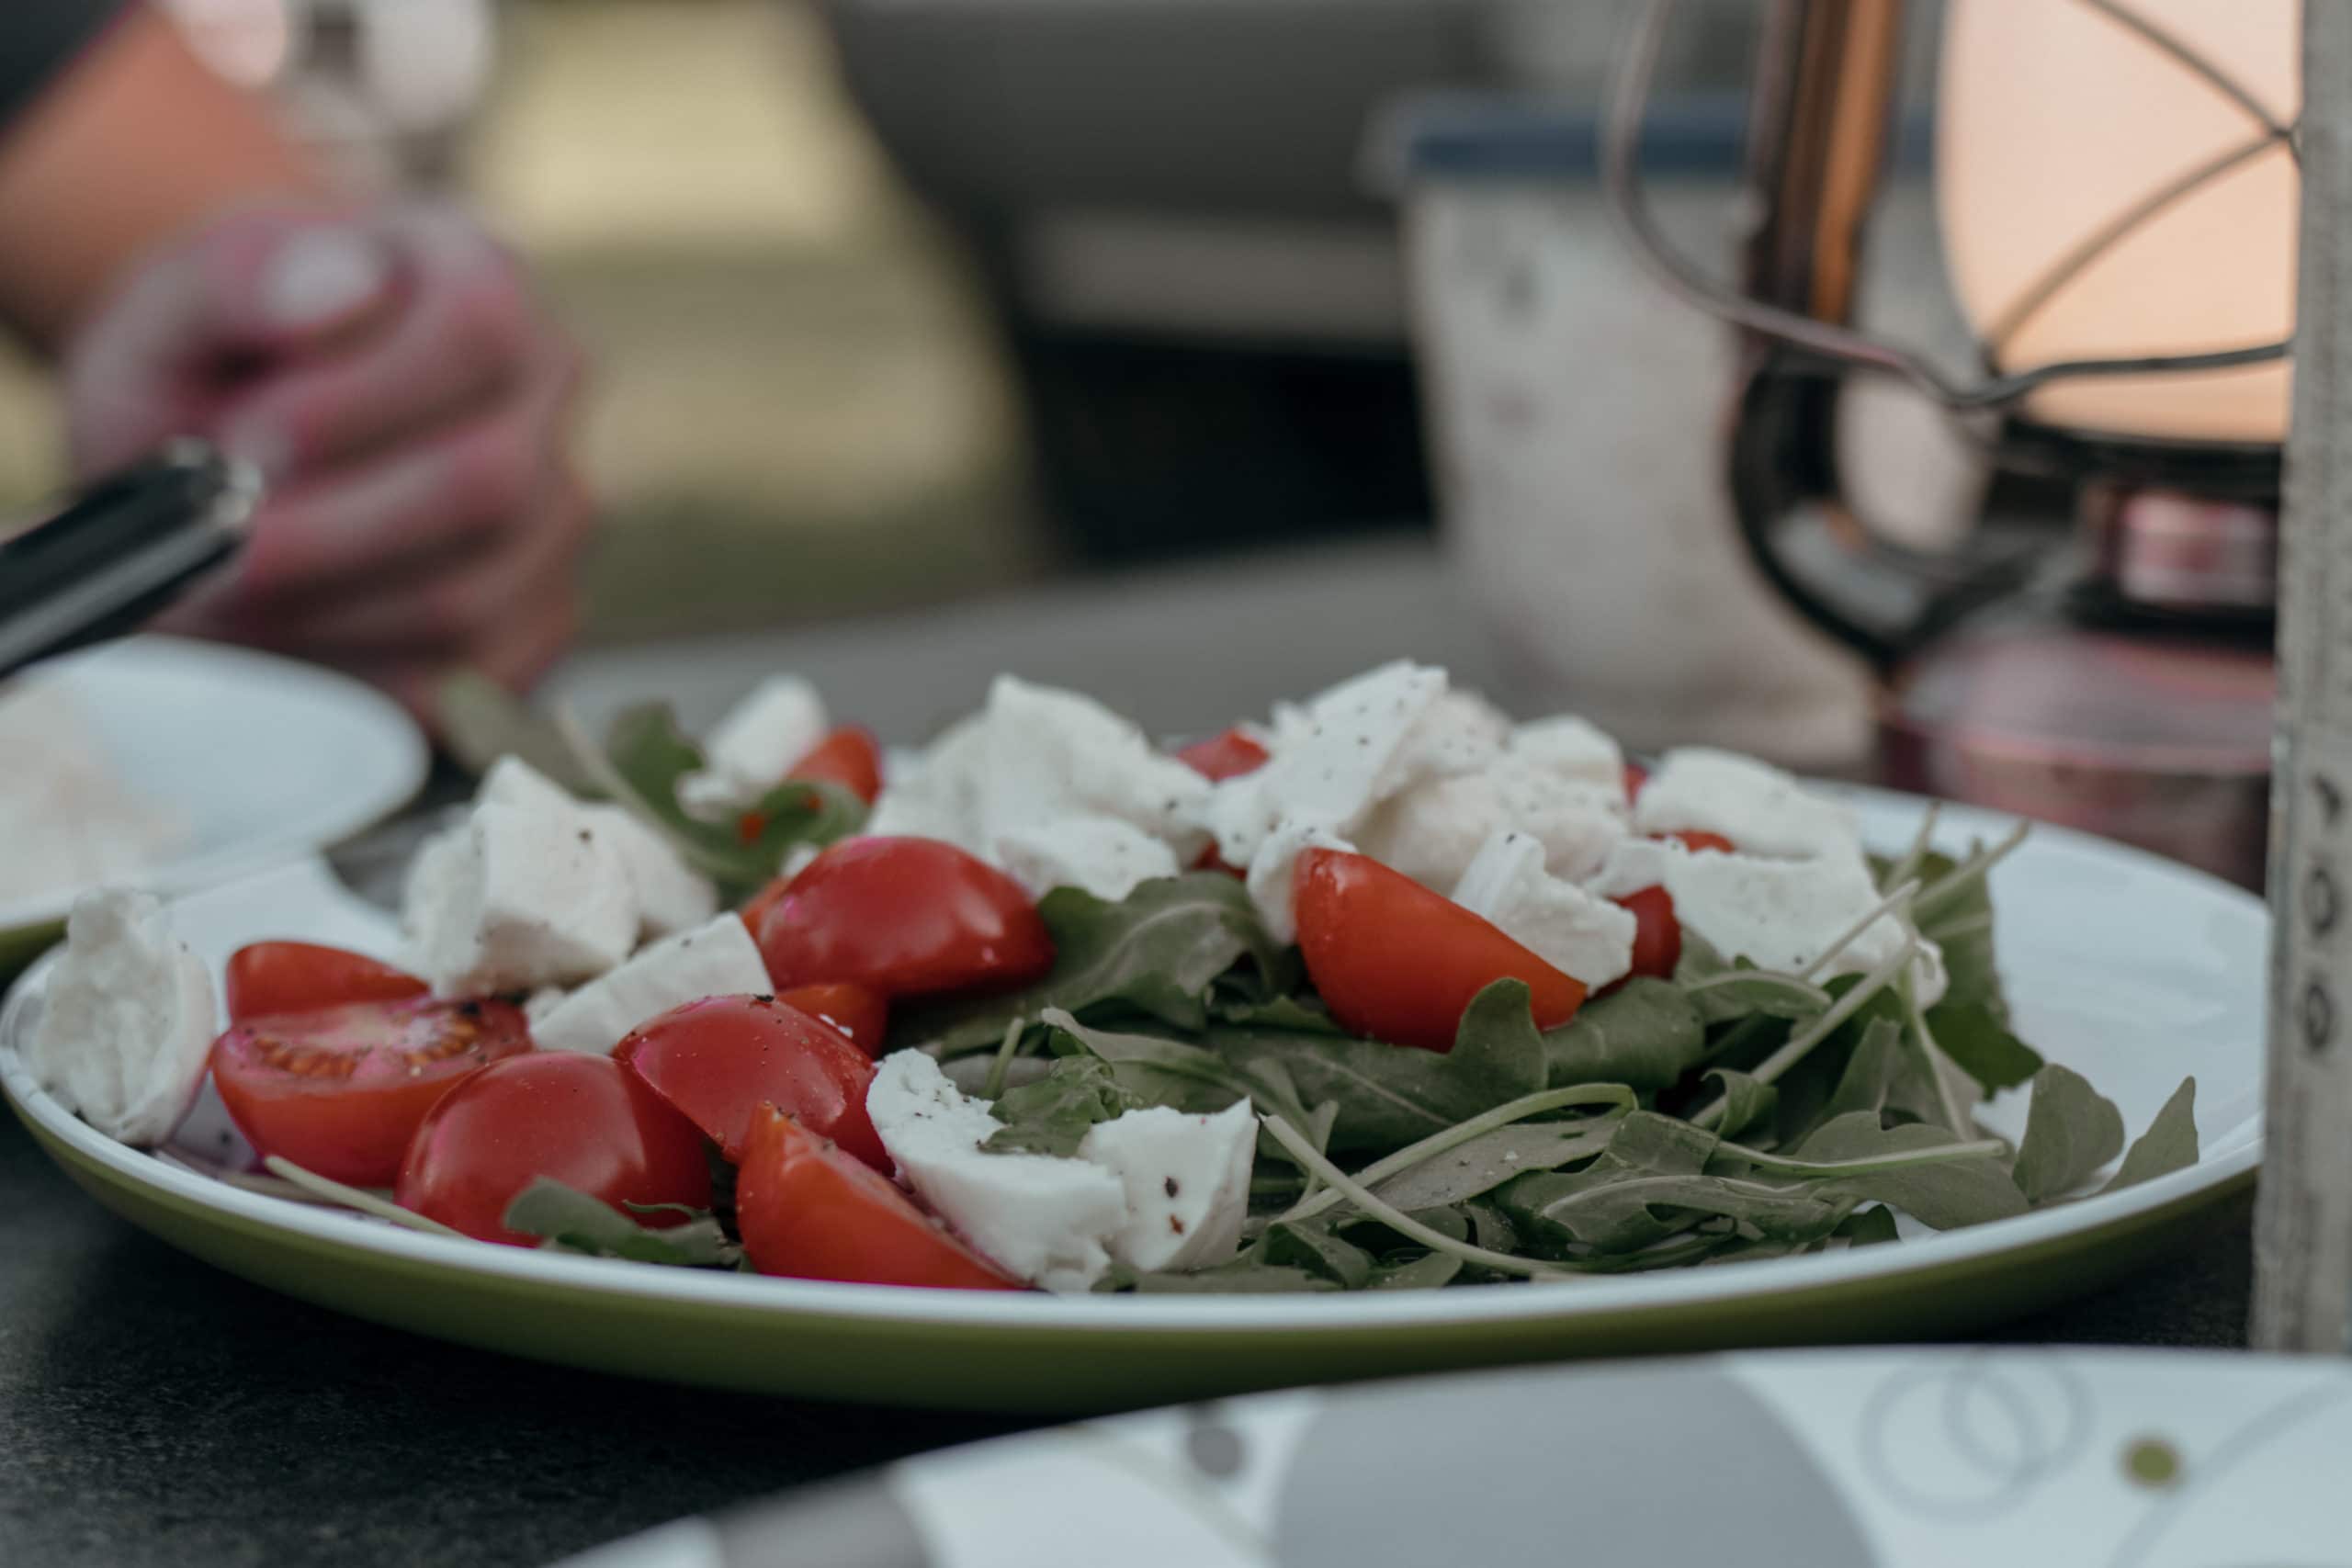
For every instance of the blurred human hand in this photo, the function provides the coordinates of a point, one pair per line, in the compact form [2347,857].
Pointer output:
[408,400]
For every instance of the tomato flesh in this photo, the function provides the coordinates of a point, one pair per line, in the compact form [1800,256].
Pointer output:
[903,917]
[719,1060]
[1658,935]
[1399,962]
[849,757]
[807,1210]
[1636,776]
[268,977]
[862,1014]
[1226,756]
[340,1091]
[1698,840]
[579,1119]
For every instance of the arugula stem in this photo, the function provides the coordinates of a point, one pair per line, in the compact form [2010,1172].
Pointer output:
[1788,1055]
[1486,1122]
[1898,904]
[357,1198]
[1320,1122]
[1404,1224]
[1970,870]
[1809,991]
[1907,868]
[1921,1040]
[993,1087]
[1939,1154]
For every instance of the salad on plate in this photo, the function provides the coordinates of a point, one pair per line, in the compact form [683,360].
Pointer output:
[1384,991]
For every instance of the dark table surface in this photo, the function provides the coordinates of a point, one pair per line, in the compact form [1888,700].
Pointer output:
[155,1411]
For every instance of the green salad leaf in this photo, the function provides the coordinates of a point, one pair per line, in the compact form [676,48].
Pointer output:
[571,1221]
[1980,1044]
[1053,1115]
[2168,1145]
[2071,1129]
[1647,1035]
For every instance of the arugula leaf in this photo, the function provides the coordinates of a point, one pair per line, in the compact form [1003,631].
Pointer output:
[1980,1044]
[1053,1115]
[1388,1096]
[1868,1227]
[569,1219]
[1723,991]
[2168,1145]
[1312,1246]
[1746,1100]
[1426,1272]
[1470,1169]
[646,755]
[1646,1035]
[1570,1208]
[482,721]
[1944,1196]
[1156,951]
[1960,922]
[1872,1073]
[1305,1015]
[1149,1070]
[2070,1131]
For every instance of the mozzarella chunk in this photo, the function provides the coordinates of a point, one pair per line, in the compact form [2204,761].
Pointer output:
[1051,754]
[517,900]
[1459,733]
[1272,875]
[1430,831]
[1101,855]
[1781,914]
[718,959]
[671,896]
[1574,749]
[1632,865]
[754,746]
[1585,937]
[1760,810]
[1332,763]
[541,1002]
[1040,1218]
[127,1021]
[1186,1180]
[937,795]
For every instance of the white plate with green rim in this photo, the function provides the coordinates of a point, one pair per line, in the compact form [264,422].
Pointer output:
[2130,969]
[253,758]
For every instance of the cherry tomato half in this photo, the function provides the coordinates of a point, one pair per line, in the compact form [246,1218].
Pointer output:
[296,976]
[904,918]
[861,1014]
[807,1210]
[1399,962]
[583,1120]
[1636,776]
[1658,935]
[340,1090]
[1698,840]
[719,1059]
[848,757]
[1226,756]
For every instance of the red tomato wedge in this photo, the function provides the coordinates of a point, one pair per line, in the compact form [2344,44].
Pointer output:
[719,1060]
[1658,935]
[1636,776]
[807,1210]
[1399,962]
[849,757]
[1226,756]
[579,1119]
[298,977]
[340,1090]
[861,1014]
[1698,840]
[904,918]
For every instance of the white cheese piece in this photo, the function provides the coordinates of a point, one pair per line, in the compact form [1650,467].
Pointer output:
[1271,877]
[1186,1180]
[543,1001]
[1430,831]
[1760,810]
[1331,762]
[1103,855]
[1051,754]
[672,895]
[432,885]
[127,1021]
[718,959]
[1581,935]
[1042,1219]
[1574,749]
[516,900]
[513,782]
[1459,733]
[937,795]
[1782,914]
[1632,865]
[753,748]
